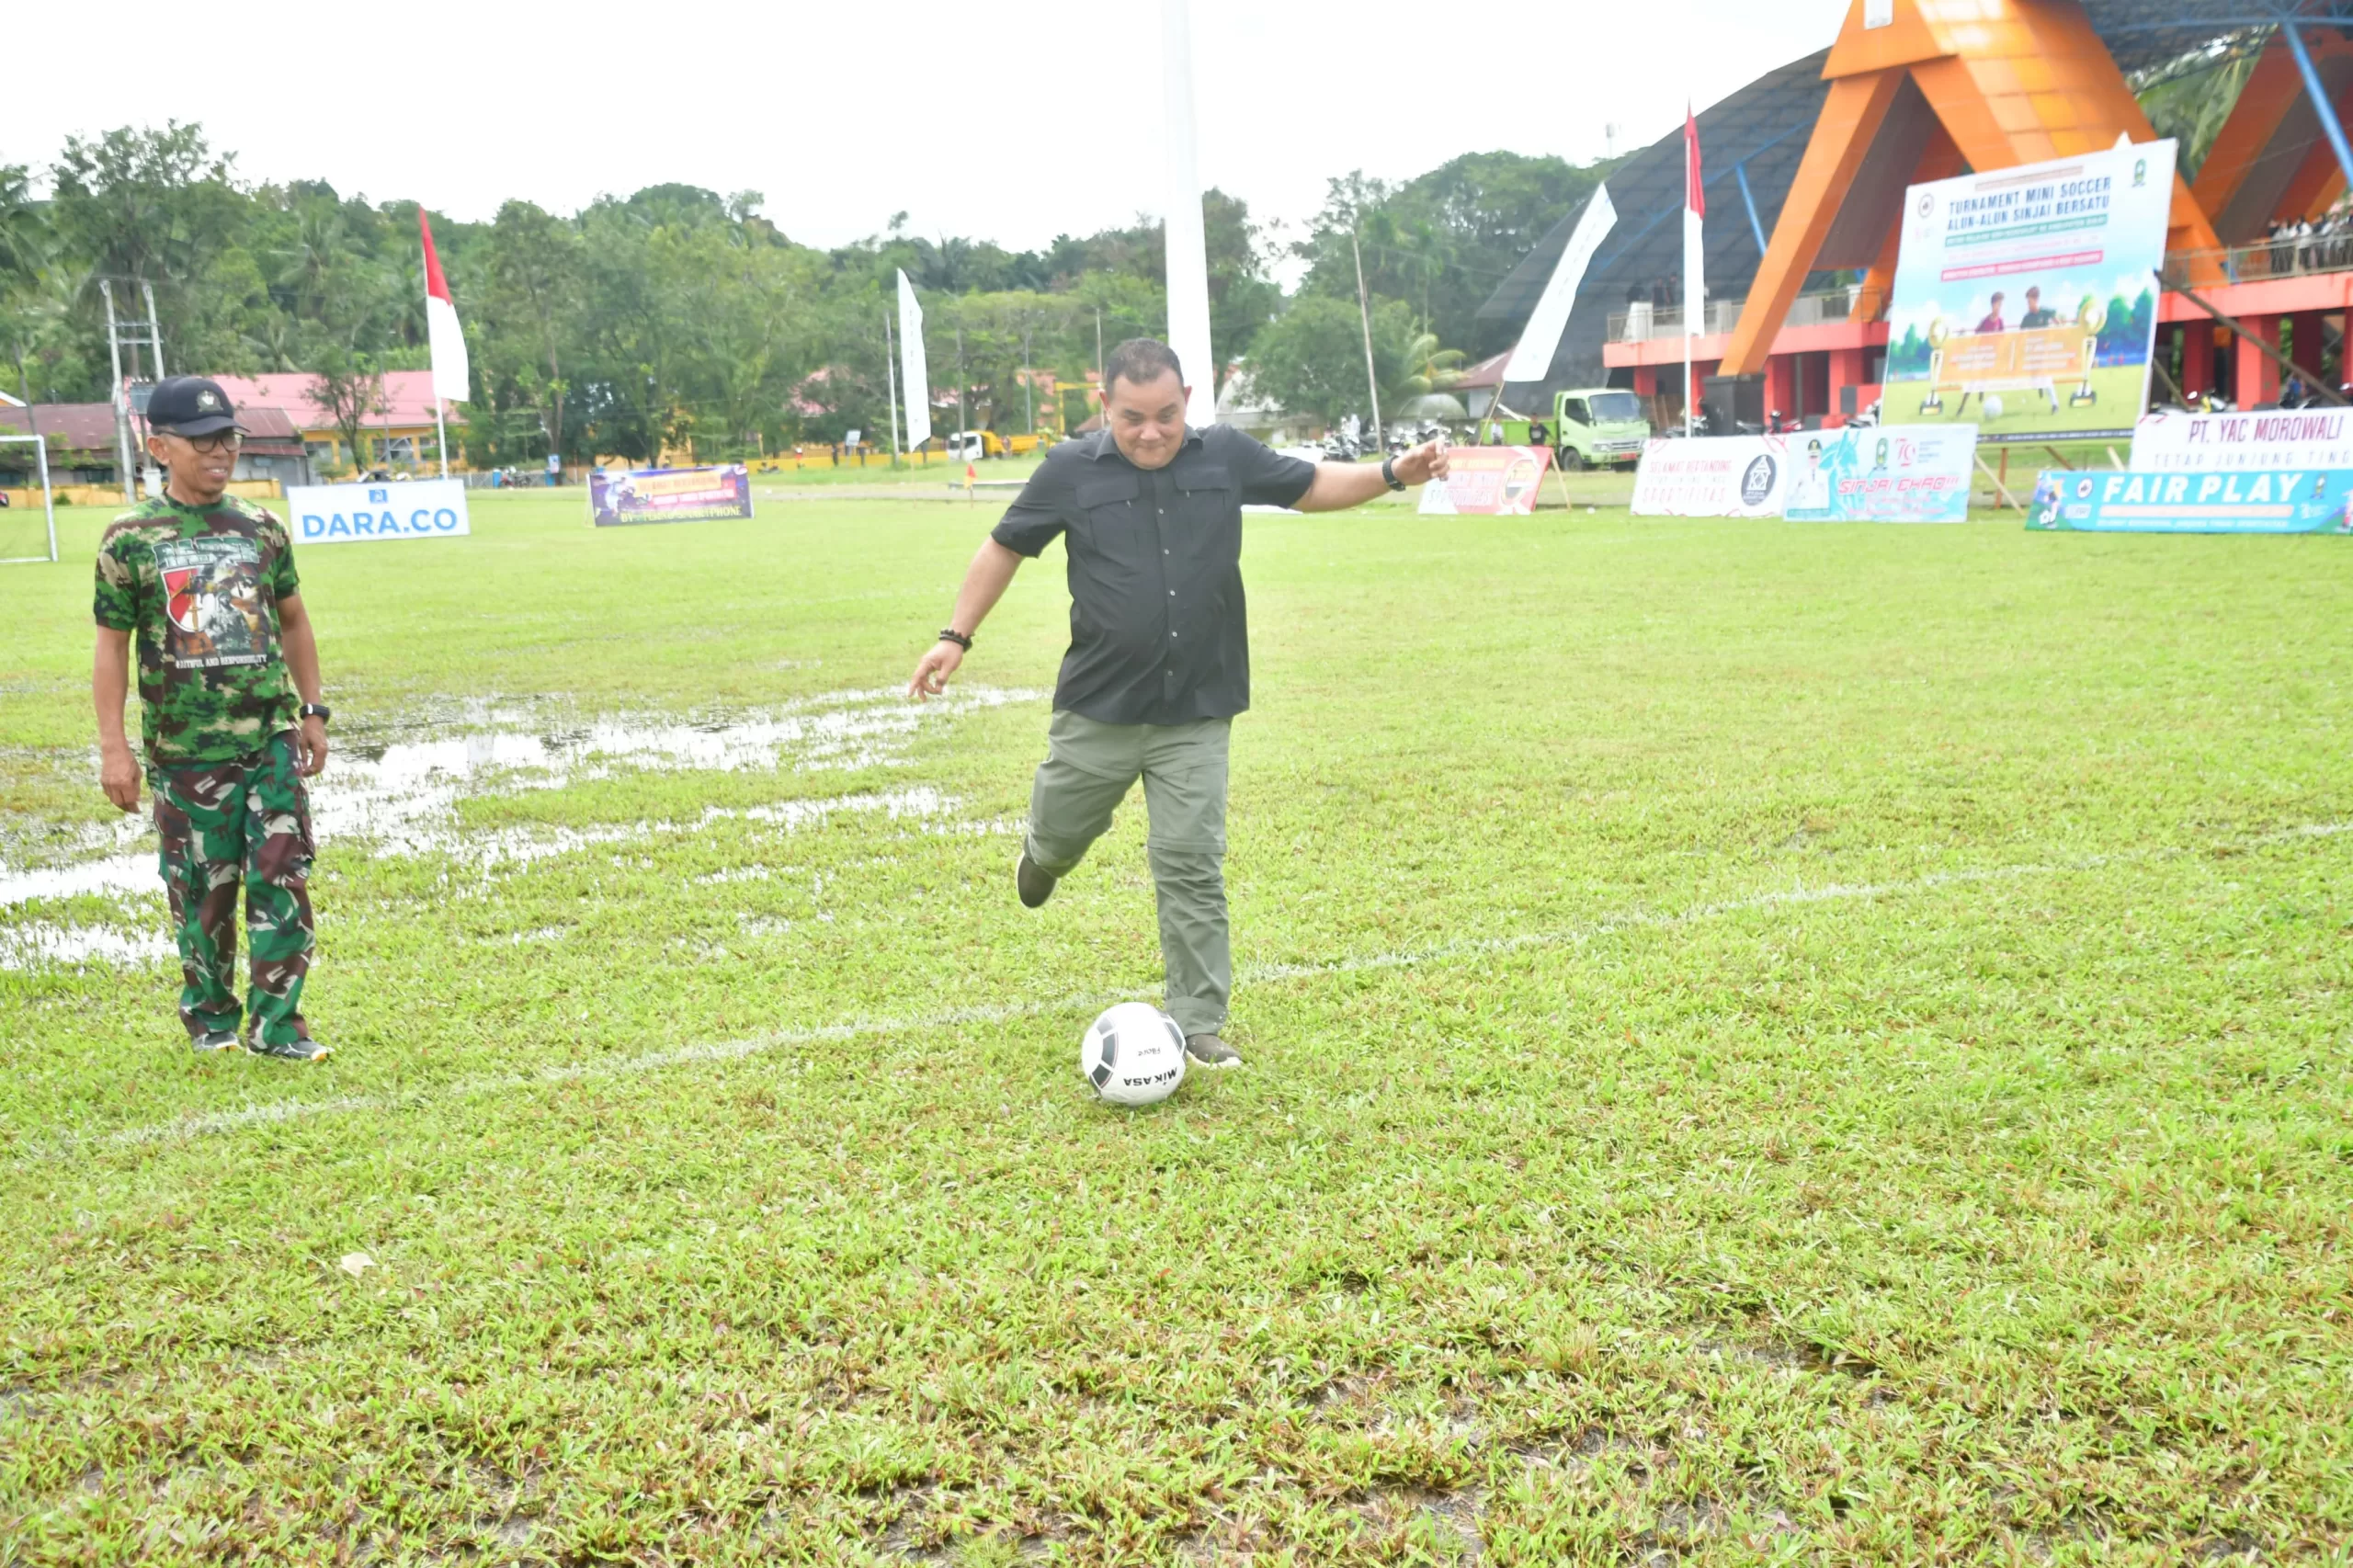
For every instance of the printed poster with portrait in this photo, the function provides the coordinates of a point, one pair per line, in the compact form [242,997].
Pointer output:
[2025,300]
[1880,474]
[1488,481]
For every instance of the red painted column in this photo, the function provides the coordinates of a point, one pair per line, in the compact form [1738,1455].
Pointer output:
[1781,384]
[2259,373]
[1846,370]
[2305,337]
[1646,380]
[2197,359]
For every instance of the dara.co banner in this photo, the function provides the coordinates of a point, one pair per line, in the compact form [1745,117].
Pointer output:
[369,514]
[1487,481]
[1711,476]
[668,495]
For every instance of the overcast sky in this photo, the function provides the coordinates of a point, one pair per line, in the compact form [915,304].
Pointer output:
[999,122]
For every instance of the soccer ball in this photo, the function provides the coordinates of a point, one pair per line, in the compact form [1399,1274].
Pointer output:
[1993,407]
[1133,1056]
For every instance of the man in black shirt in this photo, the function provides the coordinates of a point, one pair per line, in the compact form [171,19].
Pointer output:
[1150,511]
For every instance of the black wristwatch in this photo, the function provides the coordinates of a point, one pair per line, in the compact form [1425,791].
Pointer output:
[318,710]
[1388,474]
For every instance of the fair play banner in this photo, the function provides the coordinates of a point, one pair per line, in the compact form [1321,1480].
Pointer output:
[1886,473]
[1487,481]
[669,495]
[2174,440]
[355,513]
[2291,501]
[1711,476]
[2025,299]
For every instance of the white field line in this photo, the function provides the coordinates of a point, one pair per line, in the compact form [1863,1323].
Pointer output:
[209,1123]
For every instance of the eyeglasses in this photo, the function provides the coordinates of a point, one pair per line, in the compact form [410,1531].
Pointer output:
[219,441]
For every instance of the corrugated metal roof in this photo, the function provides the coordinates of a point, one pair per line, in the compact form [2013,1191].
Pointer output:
[89,427]
[1760,130]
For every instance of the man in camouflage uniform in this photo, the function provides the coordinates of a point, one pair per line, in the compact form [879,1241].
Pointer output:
[204,581]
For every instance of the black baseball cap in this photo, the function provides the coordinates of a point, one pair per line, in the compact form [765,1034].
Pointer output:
[190,405]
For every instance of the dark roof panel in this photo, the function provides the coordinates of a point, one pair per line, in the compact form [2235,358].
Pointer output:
[1759,131]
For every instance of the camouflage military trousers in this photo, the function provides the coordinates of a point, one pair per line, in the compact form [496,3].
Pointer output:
[223,825]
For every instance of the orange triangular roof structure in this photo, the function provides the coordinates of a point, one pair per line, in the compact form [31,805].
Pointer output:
[1941,87]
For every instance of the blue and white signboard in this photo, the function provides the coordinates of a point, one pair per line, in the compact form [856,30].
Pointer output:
[345,513]
[2297,501]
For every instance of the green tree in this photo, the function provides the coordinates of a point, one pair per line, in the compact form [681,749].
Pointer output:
[531,307]
[1312,361]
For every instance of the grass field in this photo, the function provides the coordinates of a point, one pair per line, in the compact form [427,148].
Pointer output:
[1766,1043]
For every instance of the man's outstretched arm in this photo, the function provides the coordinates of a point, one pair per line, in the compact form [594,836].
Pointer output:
[1338,486]
[985,581]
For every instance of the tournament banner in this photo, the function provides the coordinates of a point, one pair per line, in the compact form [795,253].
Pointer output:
[340,513]
[1488,481]
[2026,299]
[1885,473]
[669,495]
[2176,441]
[1711,476]
[2305,501]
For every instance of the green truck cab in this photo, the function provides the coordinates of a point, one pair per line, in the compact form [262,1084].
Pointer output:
[1590,427]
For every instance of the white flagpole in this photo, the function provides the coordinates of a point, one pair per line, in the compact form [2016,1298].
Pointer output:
[890,374]
[1187,244]
[441,434]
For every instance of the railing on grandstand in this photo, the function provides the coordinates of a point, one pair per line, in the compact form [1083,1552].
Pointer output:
[1641,322]
[2288,256]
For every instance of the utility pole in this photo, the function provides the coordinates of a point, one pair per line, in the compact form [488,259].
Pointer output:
[122,407]
[963,419]
[1028,393]
[1364,313]
[891,373]
[155,332]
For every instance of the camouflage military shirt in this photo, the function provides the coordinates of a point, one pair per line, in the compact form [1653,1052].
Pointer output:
[198,587]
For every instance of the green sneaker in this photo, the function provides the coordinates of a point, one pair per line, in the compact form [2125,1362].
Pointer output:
[1207,1051]
[301,1049]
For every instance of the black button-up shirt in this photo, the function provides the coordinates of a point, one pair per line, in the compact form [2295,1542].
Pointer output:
[1158,629]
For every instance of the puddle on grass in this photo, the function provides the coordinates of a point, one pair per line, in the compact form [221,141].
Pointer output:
[44,943]
[401,795]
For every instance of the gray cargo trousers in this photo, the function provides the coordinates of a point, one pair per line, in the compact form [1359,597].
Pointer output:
[1088,770]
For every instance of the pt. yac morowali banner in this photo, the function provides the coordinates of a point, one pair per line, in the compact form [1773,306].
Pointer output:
[1711,476]
[355,513]
[2293,501]
[2026,299]
[669,495]
[2175,440]
[1882,473]
[1493,482]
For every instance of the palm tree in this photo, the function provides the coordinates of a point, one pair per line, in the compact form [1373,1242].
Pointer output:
[24,228]
[1423,378]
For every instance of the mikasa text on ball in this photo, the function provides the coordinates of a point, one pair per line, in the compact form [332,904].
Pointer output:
[1133,1054]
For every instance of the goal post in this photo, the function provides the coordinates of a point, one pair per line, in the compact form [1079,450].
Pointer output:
[39,445]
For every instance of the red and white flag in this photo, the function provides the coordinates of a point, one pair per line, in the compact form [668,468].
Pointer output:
[1694,209]
[447,340]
